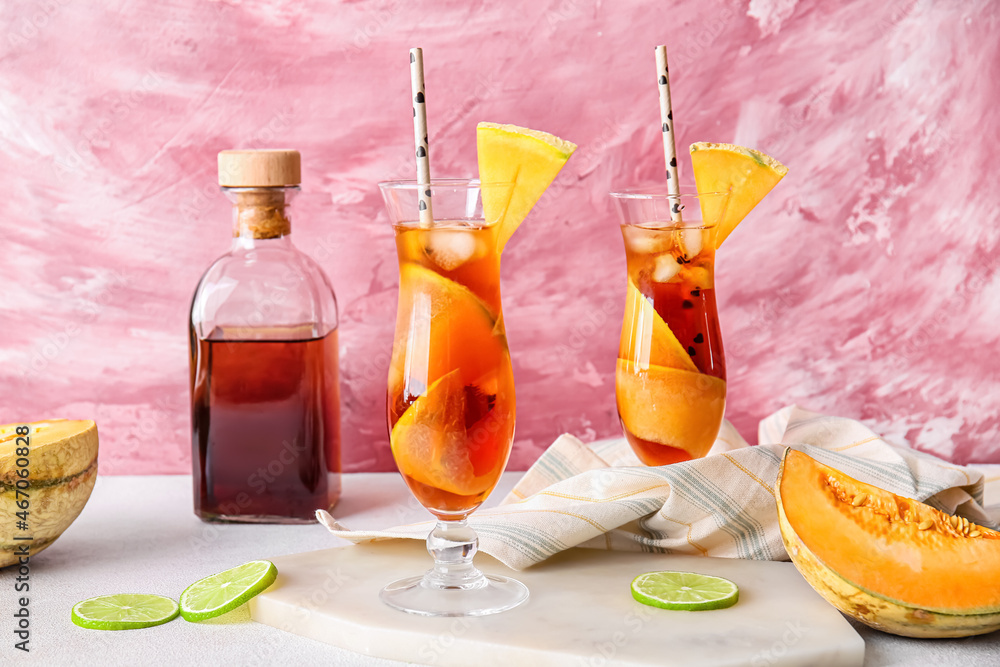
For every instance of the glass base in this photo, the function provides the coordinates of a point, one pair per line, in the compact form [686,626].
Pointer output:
[454,586]
[415,595]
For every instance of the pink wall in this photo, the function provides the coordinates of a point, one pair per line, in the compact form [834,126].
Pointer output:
[865,285]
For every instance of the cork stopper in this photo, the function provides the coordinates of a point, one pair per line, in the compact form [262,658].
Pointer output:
[261,178]
[260,168]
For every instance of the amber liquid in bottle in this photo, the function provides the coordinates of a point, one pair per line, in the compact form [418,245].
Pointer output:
[265,426]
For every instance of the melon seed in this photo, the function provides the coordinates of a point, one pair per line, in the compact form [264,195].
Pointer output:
[859,499]
[974,533]
[925,524]
[953,520]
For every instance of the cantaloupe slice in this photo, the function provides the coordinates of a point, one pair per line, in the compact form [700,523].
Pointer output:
[670,406]
[749,174]
[430,443]
[529,159]
[647,339]
[892,562]
[441,326]
[62,457]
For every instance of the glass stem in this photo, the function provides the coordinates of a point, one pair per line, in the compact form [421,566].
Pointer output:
[453,545]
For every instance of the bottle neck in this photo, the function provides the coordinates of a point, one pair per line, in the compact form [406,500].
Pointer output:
[261,214]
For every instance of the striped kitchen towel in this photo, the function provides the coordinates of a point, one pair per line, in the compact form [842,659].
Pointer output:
[599,496]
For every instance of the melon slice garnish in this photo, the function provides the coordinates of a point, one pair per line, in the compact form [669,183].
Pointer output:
[746,173]
[647,339]
[430,443]
[529,159]
[670,406]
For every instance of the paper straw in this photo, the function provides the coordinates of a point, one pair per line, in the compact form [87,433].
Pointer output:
[420,136]
[667,125]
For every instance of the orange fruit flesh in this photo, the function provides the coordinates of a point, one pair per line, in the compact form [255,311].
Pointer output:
[441,326]
[879,546]
[670,406]
[452,439]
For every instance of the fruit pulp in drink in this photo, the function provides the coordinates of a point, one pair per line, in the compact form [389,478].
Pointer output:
[451,388]
[266,426]
[670,380]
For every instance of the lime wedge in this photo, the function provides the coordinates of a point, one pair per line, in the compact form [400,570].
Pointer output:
[215,595]
[686,591]
[124,612]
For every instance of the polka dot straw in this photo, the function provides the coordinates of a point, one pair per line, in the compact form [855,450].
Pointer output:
[667,126]
[420,135]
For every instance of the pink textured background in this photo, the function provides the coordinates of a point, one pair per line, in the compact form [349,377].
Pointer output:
[866,284]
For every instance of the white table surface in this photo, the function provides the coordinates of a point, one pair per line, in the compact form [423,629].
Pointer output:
[139,535]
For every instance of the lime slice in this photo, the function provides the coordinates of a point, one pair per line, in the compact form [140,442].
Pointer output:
[686,591]
[124,612]
[215,595]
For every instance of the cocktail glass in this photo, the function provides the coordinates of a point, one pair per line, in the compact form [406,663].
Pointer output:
[670,380]
[451,388]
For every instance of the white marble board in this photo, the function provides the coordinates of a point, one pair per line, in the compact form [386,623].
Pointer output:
[580,613]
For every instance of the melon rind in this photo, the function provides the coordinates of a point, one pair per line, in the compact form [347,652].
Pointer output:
[60,448]
[875,611]
[63,471]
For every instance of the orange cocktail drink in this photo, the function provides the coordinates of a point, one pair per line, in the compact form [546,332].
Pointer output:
[670,379]
[451,388]
[450,398]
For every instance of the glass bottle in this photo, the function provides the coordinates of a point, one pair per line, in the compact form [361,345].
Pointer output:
[265,403]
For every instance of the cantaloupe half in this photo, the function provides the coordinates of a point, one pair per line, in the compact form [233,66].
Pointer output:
[893,563]
[747,174]
[529,159]
[62,469]
[670,406]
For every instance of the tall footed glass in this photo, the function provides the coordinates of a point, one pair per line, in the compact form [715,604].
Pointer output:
[451,388]
[670,380]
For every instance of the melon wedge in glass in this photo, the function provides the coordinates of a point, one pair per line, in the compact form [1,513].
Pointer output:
[647,340]
[668,411]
